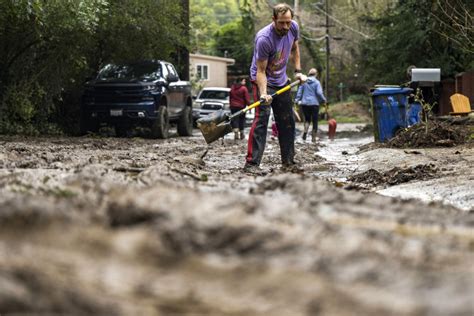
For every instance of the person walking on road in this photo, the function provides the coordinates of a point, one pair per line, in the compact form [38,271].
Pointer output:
[274,44]
[239,99]
[310,96]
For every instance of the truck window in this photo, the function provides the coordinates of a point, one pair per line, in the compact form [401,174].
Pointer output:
[171,70]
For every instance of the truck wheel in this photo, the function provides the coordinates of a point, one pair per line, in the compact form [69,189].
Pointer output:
[185,123]
[160,126]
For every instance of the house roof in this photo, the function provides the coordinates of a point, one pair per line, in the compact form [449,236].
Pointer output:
[229,61]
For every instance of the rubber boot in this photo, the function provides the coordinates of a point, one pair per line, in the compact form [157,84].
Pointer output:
[313,136]
[236,134]
[305,133]
[242,134]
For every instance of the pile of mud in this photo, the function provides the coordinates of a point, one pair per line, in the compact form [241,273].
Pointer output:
[395,176]
[437,134]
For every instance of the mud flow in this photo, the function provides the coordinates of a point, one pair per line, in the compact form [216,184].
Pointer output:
[132,226]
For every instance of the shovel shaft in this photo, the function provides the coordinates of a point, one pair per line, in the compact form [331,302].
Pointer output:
[259,102]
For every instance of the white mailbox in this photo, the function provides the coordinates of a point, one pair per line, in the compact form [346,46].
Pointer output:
[426,74]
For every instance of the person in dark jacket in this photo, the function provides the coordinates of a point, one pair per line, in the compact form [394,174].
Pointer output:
[239,99]
[310,96]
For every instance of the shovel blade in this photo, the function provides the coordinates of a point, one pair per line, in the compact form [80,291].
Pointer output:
[214,126]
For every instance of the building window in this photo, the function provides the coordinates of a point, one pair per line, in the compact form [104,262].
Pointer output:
[202,72]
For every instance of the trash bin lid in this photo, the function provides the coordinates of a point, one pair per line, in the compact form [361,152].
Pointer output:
[390,91]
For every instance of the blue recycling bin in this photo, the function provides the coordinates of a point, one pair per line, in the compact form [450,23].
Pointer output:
[414,111]
[389,109]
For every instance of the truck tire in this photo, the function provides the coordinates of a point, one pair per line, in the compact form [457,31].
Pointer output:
[185,123]
[160,126]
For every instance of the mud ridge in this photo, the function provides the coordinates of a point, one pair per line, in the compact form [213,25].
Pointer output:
[395,176]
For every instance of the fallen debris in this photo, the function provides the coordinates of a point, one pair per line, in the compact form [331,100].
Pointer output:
[395,175]
[439,134]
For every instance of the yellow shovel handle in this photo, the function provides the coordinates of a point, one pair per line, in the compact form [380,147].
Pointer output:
[282,90]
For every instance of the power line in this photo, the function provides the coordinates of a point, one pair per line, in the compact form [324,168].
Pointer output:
[341,23]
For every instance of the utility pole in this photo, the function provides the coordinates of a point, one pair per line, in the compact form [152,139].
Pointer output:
[183,53]
[328,52]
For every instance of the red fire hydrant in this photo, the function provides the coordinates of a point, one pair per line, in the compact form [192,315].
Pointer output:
[332,124]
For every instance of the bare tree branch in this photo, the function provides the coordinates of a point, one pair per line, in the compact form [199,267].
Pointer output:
[456,22]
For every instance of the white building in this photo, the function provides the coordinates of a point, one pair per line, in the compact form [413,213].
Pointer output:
[209,71]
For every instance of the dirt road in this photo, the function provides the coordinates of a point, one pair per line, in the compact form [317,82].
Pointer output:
[110,226]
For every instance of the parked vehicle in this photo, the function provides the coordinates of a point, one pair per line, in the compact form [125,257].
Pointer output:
[147,93]
[211,99]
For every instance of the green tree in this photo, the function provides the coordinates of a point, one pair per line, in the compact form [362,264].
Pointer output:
[407,35]
[207,18]
[42,54]
[49,47]
[235,40]
[346,31]
[139,29]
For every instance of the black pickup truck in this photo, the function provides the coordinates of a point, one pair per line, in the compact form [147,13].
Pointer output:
[147,93]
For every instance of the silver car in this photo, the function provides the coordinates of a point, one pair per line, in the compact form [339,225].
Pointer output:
[211,99]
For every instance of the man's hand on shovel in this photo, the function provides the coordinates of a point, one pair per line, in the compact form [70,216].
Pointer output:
[301,77]
[266,99]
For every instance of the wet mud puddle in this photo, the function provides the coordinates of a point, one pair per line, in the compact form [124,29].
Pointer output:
[450,185]
[341,157]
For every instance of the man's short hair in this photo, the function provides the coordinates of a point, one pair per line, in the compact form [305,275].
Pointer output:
[281,8]
[312,72]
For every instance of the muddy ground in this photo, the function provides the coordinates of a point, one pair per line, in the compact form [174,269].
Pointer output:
[110,226]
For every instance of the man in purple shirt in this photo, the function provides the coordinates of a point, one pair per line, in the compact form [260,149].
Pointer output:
[274,44]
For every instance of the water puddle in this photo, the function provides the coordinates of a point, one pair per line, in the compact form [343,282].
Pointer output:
[341,155]
[342,159]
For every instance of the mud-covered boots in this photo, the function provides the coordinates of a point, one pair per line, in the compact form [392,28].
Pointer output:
[305,131]
[236,134]
[314,138]
[292,167]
